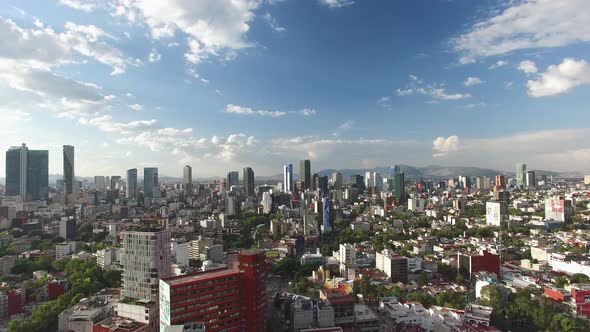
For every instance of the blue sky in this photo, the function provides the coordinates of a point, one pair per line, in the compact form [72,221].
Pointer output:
[225,84]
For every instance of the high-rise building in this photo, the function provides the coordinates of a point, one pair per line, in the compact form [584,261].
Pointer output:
[27,173]
[377,181]
[369,180]
[187,179]
[115,179]
[356,181]
[399,190]
[16,167]
[326,214]
[37,175]
[233,179]
[69,175]
[131,188]
[322,185]
[500,182]
[150,182]
[313,185]
[248,175]
[464,181]
[100,182]
[67,228]
[288,178]
[559,209]
[305,173]
[393,170]
[232,298]
[145,258]
[337,180]
[520,170]
[529,179]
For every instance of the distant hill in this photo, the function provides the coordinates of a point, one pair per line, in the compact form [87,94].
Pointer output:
[412,172]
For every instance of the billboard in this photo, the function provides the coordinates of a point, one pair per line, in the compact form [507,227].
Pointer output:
[164,305]
[557,205]
[493,213]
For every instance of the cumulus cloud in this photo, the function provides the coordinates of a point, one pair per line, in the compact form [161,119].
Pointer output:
[105,123]
[272,23]
[384,102]
[441,147]
[525,25]
[560,78]
[47,48]
[471,81]
[337,3]
[212,28]
[528,67]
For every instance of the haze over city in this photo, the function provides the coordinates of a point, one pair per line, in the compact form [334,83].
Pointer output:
[348,84]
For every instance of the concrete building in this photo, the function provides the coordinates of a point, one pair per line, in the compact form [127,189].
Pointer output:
[67,228]
[65,249]
[288,178]
[347,258]
[197,247]
[468,264]
[342,304]
[394,266]
[306,313]
[187,180]
[89,311]
[68,169]
[558,209]
[231,298]
[520,170]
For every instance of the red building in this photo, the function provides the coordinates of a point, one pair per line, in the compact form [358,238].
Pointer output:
[472,263]
[581,299]
[55,289]
[226,299]
[15,302]
[558,295]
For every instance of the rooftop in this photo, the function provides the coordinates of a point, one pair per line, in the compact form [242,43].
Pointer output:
[232,267]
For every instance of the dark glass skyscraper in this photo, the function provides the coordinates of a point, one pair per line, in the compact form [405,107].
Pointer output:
[248,181]
[233,179]
[27,173]
[399,190]
[13,171]
[150,181]
[131,190]
[69,176]
[305,173]
[37,175]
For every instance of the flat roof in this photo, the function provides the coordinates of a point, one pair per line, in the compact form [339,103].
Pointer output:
[232,267]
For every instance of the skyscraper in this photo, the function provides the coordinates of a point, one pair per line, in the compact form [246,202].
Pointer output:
[288,178]
[150,182]
[27,173]
[313,186]
[530,179]
[248,175]
[322,185]
[14,171]
[520,170]
[131,189]
[187,179]
[369,180]
[37,175]
[233,178]
[399,190]
[337,180]
[305,173]
[115,182]
[327,225]
[69,175]
[100,182]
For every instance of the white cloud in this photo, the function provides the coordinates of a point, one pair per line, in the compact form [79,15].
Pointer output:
[78,5]
[525,25]
[105,123]
[154,56]
[498,64]
[557,79]
[236,109]
[37,22]
[272,23]
[441,147]
[437,91]
[346,125]
[136,107]
[337,3]
[471,81]
[212,28]
[384,102]
[528,67]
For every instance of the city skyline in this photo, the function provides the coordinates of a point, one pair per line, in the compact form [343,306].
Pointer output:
[436,85]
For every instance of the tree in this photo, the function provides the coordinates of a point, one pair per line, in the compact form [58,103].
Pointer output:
[560,281]
[195,263]
[579,278]
[422,279]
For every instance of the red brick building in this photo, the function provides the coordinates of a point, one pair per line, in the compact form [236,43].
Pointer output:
[581,299]
[55,289]
[229,299]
